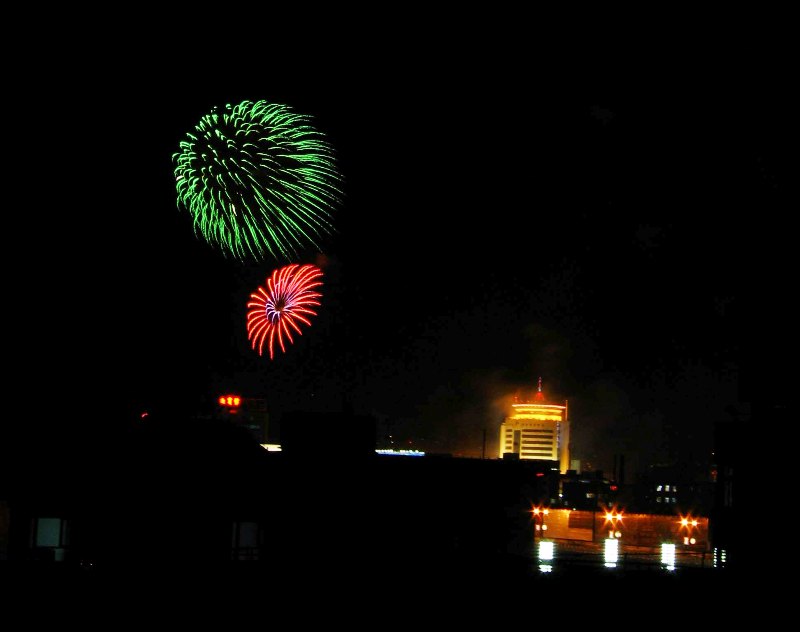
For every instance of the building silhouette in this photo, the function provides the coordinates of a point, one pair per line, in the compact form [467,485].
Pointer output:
[249,413]
[162,498]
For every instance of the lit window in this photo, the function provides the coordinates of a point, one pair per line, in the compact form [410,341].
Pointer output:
[666,488]
[50,532]
[658,488]
[658,499]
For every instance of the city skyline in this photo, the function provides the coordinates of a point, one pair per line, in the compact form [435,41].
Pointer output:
[486,238]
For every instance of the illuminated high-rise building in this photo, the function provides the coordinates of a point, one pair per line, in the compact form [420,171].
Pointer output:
[536,430]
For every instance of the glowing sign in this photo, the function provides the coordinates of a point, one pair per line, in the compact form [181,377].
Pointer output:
[230,400]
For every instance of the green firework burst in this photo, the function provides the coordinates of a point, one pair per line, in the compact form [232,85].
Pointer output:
[258,180]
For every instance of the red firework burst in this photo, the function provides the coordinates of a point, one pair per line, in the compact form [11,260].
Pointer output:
[278,308]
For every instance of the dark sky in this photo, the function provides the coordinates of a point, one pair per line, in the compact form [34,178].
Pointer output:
[496,227]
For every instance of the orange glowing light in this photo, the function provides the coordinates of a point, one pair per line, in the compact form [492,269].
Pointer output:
[611,516]
[230,400]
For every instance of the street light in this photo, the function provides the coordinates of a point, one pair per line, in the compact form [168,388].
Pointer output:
[611,548]
[545,551]
[690,524]
[614,517]
[538,518]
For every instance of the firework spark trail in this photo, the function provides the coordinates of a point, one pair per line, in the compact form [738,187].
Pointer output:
[258,180]
[275,310]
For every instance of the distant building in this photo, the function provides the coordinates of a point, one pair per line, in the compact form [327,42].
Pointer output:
[248,413]
[726,528]
[538,431]
[670,489]
[586,491]
[327,435]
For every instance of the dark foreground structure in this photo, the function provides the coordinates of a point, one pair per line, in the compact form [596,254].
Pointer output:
[199,501]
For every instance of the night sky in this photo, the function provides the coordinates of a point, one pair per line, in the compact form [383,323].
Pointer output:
[493,231]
